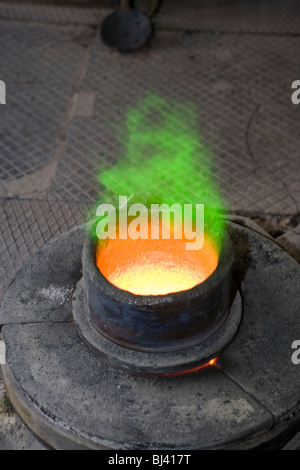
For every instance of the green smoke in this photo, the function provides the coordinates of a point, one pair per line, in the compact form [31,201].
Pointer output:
[165,161]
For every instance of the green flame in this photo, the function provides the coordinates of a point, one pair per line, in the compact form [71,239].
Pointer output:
[166,161]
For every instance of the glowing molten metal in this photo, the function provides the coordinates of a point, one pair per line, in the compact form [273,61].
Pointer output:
[155,267]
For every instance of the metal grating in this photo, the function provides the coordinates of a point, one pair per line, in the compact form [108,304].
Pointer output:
[29,125]
[26,225]
[34,54]
[38,65]
[240,84]
[243,16]
[245,113]
[250,16]
[51,14]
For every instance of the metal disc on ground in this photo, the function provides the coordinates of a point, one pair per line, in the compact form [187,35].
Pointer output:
[126,30]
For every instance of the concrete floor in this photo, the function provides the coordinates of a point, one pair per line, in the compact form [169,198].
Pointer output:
[67,94]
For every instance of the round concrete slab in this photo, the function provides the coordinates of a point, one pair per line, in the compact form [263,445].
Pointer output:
[73,399]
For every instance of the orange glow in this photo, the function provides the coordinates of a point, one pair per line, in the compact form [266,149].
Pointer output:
[212,362]
[155,267]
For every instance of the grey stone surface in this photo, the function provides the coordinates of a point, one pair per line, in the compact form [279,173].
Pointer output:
[290,241]
[269,284]
[38,295]
[294,444]
[98,405]
[14,434]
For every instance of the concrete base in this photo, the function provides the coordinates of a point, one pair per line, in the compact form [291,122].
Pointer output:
[73,399]
[160,362]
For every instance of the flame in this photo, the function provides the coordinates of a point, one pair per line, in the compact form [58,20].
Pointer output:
[164,159]
[155,267]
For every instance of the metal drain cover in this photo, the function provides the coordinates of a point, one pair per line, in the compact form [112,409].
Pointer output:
[126,31]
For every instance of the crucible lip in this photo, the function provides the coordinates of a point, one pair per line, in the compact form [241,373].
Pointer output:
[157,323]
[225,263]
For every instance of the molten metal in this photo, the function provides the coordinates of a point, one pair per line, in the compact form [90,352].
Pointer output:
[212,362]
[155,267]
